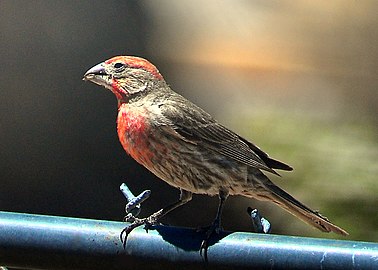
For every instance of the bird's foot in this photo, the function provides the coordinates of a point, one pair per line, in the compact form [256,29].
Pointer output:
[214,228]
[148,222]
[133,209]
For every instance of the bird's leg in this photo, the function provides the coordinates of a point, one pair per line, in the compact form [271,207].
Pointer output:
[215,227]
[185,196]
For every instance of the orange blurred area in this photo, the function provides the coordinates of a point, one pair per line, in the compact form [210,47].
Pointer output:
[333,42]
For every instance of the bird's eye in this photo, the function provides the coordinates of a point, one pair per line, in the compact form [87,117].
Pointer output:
[119,66]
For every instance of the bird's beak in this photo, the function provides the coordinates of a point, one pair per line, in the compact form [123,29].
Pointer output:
[98,69]
[97,75]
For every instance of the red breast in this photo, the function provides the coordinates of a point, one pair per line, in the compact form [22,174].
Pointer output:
[133,132]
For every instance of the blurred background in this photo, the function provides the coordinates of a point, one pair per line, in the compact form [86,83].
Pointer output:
[298,78]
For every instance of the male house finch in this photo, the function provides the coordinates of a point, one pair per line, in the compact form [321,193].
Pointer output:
[184,146]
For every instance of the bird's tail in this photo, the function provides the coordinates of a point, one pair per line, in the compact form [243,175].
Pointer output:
[271,192]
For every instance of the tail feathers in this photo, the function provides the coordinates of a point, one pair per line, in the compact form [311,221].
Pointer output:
[296,208]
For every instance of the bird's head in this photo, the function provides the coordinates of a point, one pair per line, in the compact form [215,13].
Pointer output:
[125,76]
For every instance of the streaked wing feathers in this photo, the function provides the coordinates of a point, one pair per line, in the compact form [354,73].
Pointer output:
[197,126]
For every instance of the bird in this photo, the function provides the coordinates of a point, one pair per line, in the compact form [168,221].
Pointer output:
[187,148]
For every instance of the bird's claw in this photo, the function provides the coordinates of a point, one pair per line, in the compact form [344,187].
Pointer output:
[127,230]
[210,231]
[132,211]
[136,222]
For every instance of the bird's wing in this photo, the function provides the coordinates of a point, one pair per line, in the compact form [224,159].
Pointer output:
[193,124]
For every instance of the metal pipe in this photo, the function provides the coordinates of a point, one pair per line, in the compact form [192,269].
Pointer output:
[50,242]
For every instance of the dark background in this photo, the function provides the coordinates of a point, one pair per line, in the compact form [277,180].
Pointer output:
[299,79]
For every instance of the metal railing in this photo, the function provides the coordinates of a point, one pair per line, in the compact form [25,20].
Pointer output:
[51,242]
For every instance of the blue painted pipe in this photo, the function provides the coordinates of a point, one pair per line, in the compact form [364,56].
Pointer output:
[50,242]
